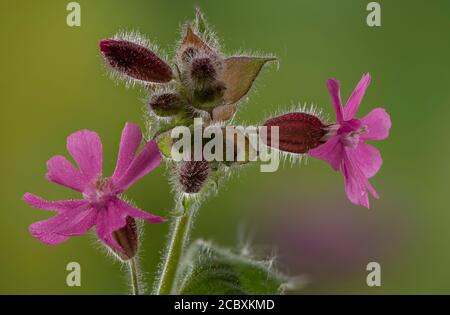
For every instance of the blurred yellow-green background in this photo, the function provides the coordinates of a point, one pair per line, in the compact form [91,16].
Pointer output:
[53,82]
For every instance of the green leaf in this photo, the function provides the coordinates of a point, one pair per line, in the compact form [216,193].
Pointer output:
[208,269]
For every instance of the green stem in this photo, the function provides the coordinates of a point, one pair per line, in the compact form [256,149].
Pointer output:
[179,237]
[134,277]
[180,231]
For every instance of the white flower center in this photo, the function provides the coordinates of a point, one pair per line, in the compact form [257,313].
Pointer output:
[98,192]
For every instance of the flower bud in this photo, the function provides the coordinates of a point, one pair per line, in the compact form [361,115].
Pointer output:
[166,104]
[192,175]
[203,71]
[298,132]
[208,97]
[135,61]
[191,45]
[127,238]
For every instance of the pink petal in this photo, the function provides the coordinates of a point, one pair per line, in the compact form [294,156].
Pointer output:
[129,143]
[86,149]
[147,160]
[138,213]
[372,190]
[62,172]
[58,228]
[47,238]
[58,206]
[356,184]
[80,223]
[331,152]
[108,221]
[378,124]
[367,159]
[355,99]
[334,89]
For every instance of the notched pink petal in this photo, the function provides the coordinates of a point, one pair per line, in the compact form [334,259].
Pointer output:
[378,124]
[372,190]
[86,149]
[129,143]
[331,152]
[57,229]
[367,159]
[138,213]
[80,223]
[58,206]
[46,238]
[356,183]
[147,160]
[334,89]
[355,99]
[62,172]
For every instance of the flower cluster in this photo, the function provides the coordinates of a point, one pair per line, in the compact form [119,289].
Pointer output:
[201,83]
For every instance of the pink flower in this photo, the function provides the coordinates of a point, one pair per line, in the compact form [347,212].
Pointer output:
[346,149]
[100,206]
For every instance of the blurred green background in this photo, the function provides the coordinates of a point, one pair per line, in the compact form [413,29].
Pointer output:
[53,82]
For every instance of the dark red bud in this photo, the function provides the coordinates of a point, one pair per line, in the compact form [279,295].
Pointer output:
[127,238]
[203,70]
[192,175]
[135,61]
[298,132]
[166,104]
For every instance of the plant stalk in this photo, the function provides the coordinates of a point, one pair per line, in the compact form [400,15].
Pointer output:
[134,277]
[179,237]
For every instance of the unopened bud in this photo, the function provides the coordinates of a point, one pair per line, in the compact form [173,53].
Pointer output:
[135,60]
[192,175]
[166,104]
[191,44]
[208,97]
[298,132]
[127,238]
[203,71]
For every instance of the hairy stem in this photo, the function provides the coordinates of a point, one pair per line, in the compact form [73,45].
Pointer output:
[134,277]
[180,231]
